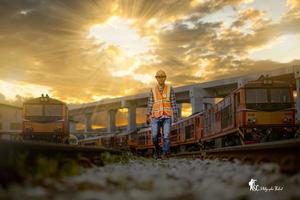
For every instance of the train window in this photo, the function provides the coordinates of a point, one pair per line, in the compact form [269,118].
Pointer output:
[53,110]
[189,131]
[280,95]
[174,132]
[218,116]
[226,118]
[227,101]
[34,110]
[256,96]
[197,122]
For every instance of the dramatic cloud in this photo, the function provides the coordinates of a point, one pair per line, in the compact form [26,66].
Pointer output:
[83,51]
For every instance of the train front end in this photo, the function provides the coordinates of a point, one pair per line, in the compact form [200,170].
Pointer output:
[266,111]
[45,119]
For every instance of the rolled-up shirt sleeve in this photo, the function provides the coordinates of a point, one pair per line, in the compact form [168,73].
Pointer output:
[150,103]
[173,102]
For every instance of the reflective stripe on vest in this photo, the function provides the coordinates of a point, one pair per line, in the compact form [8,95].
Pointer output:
[162,102]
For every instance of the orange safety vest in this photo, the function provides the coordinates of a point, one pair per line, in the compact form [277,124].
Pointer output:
[162,102]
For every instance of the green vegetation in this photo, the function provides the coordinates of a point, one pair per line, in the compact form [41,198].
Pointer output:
[22,166]
[37,167]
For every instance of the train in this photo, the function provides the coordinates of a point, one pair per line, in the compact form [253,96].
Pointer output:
[45,119]
[115,141]
[257,111]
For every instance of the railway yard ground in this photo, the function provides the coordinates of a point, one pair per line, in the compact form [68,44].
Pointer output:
[115,175]
[164,179]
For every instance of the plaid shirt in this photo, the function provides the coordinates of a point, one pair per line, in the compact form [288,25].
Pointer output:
[173,103]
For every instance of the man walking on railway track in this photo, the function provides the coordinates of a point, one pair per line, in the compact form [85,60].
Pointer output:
[161,109]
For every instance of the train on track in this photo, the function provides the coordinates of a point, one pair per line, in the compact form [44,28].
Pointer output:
[258,111]
[45,119]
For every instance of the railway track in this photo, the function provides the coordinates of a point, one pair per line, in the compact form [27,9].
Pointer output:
[33,148]
[83,154]
[285,153]
[20,160]
[45,147]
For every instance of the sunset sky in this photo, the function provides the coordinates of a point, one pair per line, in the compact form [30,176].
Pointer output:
[83,51]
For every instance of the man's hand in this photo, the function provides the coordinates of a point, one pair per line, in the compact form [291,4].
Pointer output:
[148,119]
[175,119]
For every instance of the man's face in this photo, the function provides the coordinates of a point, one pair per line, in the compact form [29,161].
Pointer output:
[161,79]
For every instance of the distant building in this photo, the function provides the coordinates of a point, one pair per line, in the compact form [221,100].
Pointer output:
[10,119]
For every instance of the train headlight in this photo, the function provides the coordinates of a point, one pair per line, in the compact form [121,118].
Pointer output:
[248,130]
[287,120]
[252,121]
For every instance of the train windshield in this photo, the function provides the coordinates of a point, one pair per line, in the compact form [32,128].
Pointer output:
[280,95]
[34,110]
[43,113]
[53,110]
[268,99]
[257,95]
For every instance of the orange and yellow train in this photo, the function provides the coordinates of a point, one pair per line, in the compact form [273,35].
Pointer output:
[258,111]
[45,118]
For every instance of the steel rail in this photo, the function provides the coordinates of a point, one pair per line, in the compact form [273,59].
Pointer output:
[285,153]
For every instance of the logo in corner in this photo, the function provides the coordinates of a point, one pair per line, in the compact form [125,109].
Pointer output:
[252,185]
[255,187]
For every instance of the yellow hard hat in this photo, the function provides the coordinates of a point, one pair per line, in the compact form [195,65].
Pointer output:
[160,73]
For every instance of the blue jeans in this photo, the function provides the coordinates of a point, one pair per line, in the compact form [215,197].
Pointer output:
[165,124]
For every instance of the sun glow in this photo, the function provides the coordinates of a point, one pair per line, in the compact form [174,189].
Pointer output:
[204,63]
[127,49]
[98,98]
[275,50]
[11,90]
[119,32]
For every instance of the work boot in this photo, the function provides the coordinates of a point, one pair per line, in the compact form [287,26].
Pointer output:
[158,156]
[157,153]
[157,150]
